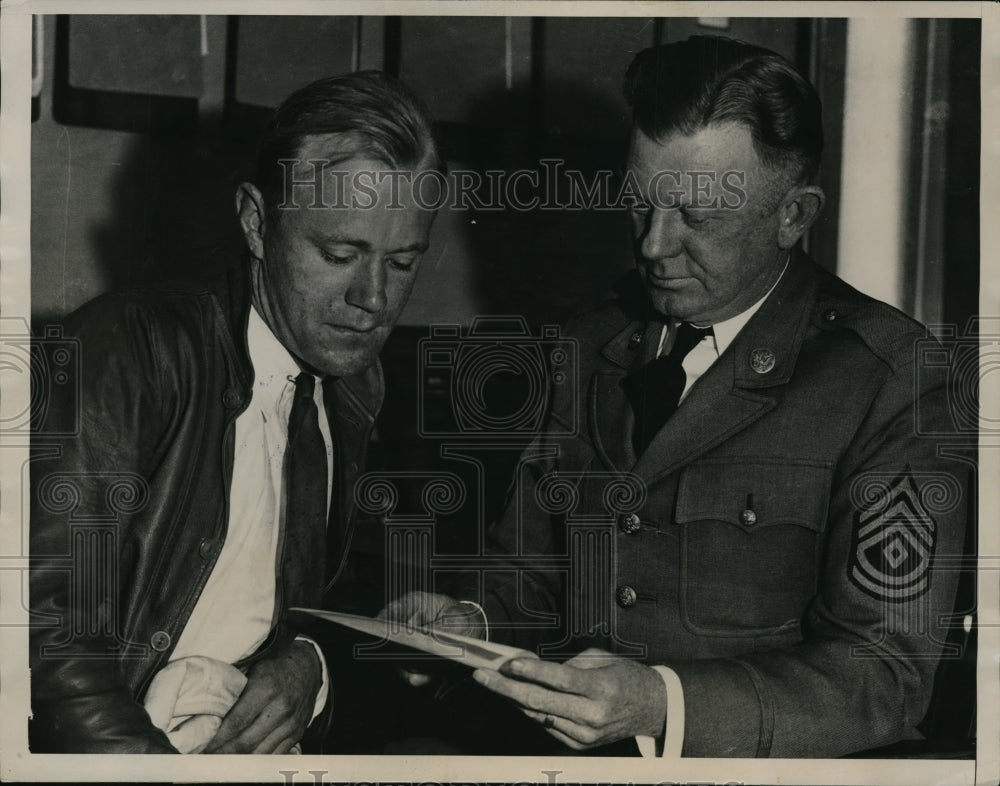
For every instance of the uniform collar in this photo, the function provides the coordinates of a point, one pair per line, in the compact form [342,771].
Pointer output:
[765,351]
[641,340]
[727,330]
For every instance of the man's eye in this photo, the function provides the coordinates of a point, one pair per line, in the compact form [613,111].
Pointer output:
[694,219]
[402,263]
[339,259]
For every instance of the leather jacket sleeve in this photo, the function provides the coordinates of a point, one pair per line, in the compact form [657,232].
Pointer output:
[90,455]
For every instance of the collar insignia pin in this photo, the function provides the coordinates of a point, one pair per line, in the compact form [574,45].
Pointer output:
[762,360]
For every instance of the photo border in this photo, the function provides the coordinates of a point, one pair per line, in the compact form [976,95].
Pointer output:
[17,764]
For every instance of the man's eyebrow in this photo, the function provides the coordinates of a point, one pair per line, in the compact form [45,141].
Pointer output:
[343,240]
[364,245]
[420,248]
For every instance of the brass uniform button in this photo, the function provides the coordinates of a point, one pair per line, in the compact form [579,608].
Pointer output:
[625,596]
[635,339]
[748,518]
[830,315]
[628,523]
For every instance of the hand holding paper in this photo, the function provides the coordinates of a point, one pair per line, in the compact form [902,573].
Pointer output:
[441,612]
[593,699]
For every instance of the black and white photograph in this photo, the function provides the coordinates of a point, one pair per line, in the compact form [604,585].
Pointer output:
[540,392]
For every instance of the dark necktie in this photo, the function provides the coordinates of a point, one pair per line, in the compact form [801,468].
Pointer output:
[306,478]
[654,391]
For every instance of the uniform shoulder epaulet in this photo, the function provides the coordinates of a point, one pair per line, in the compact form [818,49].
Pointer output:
[887,332]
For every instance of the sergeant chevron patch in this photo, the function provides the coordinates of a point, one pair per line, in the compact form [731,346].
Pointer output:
[893,541]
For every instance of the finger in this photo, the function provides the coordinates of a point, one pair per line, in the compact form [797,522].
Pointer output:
[455,617]
[395,609]
[593,658]
[277,742]
[248,722]
[456,622]
[239,717]
[560,728]
[415,679]
[262,731]
[535,697]
[558,676]
[406,606]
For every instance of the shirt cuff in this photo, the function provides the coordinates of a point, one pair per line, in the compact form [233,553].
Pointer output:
[673,733]
[324,689]
[486,620]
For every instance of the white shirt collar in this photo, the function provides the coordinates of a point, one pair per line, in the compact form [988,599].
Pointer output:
[273,365]
[726,331]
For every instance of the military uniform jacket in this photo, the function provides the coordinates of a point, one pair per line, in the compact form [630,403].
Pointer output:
[775,543]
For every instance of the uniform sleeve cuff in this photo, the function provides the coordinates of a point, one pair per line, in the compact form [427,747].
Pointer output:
[324,689]
[672,741]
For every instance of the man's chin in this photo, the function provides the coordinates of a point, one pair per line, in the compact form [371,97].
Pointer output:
[345,362]
[673,304]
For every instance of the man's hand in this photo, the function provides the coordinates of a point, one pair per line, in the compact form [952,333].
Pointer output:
[593,699]
[431,610]
[275,707]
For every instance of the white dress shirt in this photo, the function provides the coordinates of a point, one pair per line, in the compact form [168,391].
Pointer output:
[695,364]
[236,609]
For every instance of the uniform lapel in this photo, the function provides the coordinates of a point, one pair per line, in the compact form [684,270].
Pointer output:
[609,411]
[734,392]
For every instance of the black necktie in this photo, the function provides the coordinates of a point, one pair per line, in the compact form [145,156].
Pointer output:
[303,566]
[654,390]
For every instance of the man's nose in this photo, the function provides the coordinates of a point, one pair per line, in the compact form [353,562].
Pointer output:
[662,234]
[367,289]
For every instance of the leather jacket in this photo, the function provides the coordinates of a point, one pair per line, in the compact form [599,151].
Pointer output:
[131,469]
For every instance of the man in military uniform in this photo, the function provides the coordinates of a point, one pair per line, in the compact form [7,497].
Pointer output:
[763,587]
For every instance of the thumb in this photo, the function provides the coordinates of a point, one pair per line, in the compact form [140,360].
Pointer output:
[415,679]
[592,658]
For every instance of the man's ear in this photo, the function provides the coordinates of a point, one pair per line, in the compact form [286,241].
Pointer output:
[799,209]
[251,213]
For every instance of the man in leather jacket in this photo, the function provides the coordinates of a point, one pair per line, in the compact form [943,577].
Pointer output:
[159,538]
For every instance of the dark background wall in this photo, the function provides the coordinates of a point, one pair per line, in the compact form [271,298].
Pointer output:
[145,125]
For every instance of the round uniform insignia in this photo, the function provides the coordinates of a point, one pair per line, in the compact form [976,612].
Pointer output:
[762,360]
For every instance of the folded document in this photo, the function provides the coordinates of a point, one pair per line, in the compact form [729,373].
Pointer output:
[466,650]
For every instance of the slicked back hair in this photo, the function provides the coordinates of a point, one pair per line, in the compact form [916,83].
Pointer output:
[382,119]
[686,86]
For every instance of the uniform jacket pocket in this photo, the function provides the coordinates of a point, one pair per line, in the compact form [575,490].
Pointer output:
[751,536]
